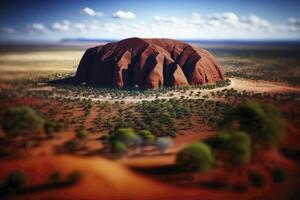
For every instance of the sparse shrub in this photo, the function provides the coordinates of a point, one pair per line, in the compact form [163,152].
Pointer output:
[147,136]
[15,180]
[54,178]
[81,133]
[239,187]
[278,175]
[59,126]
[74,177]
[138,141]
[125,135]
[215,184]
[71,145]
[196,157]
[119,148]
[256,179]
[262,122]
[21,120]
[233,148]
[51,127]
[163,143]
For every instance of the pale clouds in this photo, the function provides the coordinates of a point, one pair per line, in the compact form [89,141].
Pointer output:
[7,30]
[214,26]
[66,25]
[216,20]
[61,26]
[255,22]
[168,20]
[36,27]
[110,27]
[123,15]
[90,12]
[293,26]
[80,26]
[226,25]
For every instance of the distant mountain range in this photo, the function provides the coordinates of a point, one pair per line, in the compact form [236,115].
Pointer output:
[83,43]
[199,42]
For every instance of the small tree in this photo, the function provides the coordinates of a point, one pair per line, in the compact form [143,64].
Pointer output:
[119,148]
[21,120]
[71,145]
[54,178]
[82,133]
[125,135]
[74,177]
[15,180]
[256,179]
[49,128]
[147,136]
[263,123]
[233,148]
[196,157]
[278,175]
[163,143]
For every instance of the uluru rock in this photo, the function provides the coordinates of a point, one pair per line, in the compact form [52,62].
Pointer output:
[147,63]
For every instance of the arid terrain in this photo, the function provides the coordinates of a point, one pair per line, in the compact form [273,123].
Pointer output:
[75,155]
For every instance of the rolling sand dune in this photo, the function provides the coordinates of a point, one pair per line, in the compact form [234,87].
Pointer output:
[102,179]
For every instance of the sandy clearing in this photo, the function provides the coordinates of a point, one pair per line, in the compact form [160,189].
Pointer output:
[42,56]
[261,86]
[45,88]
[25,64]
[16,68]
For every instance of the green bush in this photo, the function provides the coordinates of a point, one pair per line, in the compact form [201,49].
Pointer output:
[147,136]
[256,179]
[262,122]
[196,157]
[49,128]
[278,175]
[54,177]
[119,148]
[125,135]
[74,177]
[15,180]
[81,133]
[233,148]
[59,126]
[21,120]
[71,145]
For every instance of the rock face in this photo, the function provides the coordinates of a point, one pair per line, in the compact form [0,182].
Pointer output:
[147,63]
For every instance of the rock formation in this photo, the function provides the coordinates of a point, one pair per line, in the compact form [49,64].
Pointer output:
[147,63]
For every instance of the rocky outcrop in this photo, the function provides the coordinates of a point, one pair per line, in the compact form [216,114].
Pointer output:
[147,63]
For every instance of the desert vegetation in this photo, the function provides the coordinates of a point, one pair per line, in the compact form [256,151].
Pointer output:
[217,135]
[16,182]
[246,131]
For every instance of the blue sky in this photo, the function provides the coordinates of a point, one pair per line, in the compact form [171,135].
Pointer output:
[52,20]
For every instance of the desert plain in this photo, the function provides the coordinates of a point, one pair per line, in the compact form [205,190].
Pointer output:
[179,115]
